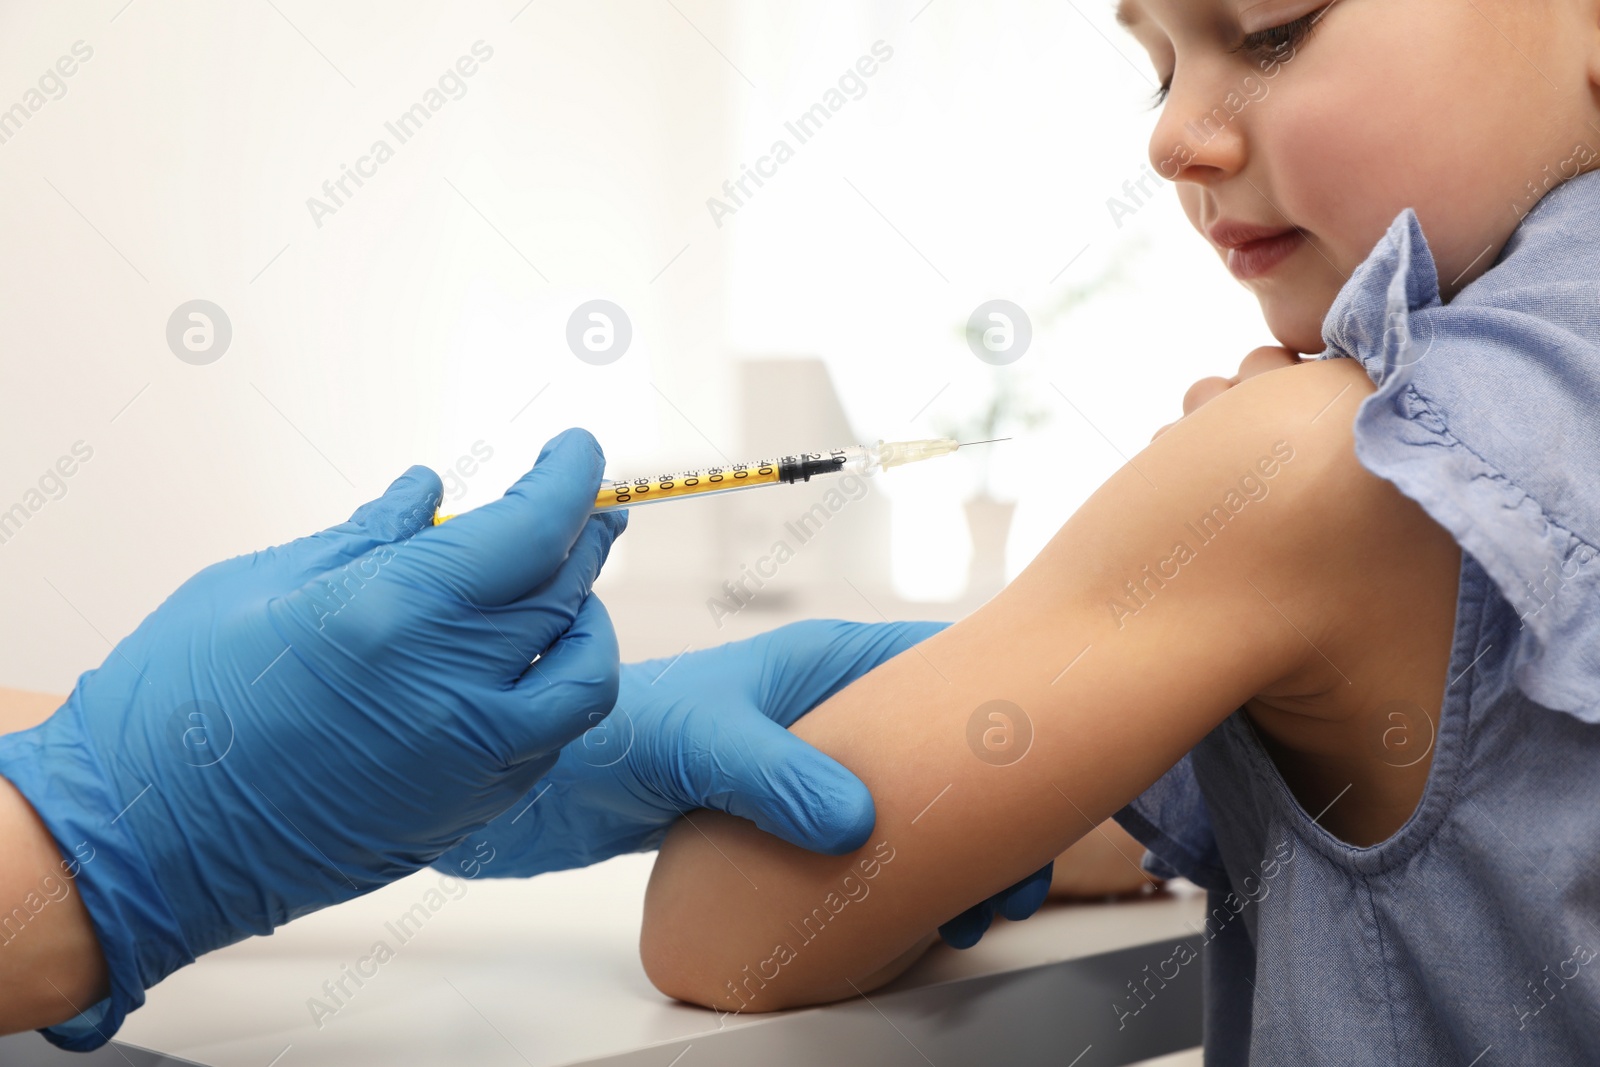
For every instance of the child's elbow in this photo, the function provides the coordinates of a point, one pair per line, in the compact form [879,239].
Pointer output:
[670,964]
[681,950]
[664,970]
[684,966]
[693,951]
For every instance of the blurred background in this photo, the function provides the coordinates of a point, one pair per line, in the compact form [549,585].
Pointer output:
[260,257]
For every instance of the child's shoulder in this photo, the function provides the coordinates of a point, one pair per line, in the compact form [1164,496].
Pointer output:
[1485,414]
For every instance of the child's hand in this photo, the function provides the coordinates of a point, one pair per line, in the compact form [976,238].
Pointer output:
[1103,863]
[1268,357]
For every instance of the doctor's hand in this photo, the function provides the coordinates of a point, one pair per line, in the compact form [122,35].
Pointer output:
[708,729]
[301,725]
[704,729]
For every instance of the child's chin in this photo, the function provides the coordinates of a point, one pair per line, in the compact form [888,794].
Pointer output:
[1295,323]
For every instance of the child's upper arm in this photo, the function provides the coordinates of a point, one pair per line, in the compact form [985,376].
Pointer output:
[1234,530]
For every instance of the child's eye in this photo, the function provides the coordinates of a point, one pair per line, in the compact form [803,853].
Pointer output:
[1274,41]
[1280,39]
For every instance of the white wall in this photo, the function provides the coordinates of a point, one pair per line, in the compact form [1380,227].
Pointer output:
[408,326]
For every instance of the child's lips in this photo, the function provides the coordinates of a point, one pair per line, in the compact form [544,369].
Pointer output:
[1251,259]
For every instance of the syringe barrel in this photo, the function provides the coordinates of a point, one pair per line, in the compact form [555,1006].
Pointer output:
[708,481]
[800,467]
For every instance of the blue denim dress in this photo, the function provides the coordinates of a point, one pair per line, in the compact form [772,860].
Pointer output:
[1472,935]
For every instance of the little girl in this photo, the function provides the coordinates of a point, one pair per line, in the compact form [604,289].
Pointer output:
[1330,645]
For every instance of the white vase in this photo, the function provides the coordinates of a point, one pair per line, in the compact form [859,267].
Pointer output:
[989,523]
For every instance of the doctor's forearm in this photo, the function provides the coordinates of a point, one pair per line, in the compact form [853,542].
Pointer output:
[50,961]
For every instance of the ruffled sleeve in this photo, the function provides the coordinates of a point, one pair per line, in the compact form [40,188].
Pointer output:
[1487,413]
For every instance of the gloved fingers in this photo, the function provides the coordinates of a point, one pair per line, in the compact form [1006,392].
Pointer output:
[639,676]
[494,554]
[754,768]
[572,688]
[1015,902]
[1023,899]
[365,612]
[807,662]
[532,623]
[405,508]
[967,929]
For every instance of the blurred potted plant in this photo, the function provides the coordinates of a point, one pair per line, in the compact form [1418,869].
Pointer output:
[1008,411]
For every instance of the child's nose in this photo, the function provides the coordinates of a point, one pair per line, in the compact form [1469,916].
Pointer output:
[1201,134]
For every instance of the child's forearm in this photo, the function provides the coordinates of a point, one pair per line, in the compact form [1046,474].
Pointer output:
[739,920]
[897,966]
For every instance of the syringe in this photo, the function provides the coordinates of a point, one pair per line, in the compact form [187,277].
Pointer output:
[785,470]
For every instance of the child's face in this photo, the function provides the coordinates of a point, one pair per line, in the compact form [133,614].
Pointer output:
[1449,107]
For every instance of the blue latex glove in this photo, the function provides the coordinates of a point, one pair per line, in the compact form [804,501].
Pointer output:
[1015,903]
[302,725]
[708,729]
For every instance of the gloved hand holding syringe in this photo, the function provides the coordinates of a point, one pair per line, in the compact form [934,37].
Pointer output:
[298,726]
[785,470]
[744,696]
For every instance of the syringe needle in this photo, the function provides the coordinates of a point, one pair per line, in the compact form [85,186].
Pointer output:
[990,441]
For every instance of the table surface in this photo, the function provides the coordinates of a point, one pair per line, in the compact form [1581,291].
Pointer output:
[540,972]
